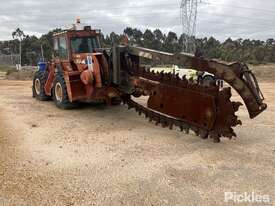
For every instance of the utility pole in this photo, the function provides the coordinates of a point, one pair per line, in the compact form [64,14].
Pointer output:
[18,34]
[188,14]
[42,53]
[20,53]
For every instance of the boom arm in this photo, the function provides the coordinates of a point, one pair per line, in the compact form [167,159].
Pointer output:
[235,74]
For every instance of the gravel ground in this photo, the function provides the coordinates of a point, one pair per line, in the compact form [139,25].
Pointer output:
[98,155]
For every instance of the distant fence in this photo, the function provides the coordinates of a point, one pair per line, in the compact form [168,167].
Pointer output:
[11,59]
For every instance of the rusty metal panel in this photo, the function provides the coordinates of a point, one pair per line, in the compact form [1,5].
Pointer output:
[185,104]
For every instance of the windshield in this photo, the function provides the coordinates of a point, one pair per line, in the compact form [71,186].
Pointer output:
[84,44]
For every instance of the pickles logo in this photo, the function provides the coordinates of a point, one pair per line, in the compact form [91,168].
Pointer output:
[247,198]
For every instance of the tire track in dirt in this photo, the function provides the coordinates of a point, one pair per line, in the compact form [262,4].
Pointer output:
[8,144]
[4,140]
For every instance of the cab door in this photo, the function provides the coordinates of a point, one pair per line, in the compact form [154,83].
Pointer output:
[61,49]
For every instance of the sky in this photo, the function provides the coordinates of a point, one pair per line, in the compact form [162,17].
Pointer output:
[253,19]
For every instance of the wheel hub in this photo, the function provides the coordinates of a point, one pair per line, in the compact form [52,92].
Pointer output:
[58,92]
[37,86]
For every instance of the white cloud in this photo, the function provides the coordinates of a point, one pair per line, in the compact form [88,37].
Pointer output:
[221,19]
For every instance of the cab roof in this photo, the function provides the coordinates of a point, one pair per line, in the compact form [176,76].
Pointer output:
[84,32]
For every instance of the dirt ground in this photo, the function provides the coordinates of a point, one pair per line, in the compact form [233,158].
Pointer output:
[98,155]
[264,72]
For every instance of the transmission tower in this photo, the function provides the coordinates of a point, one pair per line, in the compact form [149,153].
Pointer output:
[188,12]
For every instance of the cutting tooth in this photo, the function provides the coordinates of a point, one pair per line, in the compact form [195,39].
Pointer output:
[236,123]
[191,81]
[162,78]
[233,120]
[163,123]
[239,122]
[215,137]
[231,133]
[187,130]
[203,134]
[185,127]
[157,121]
[227,93]
[146,115]
[197,132]
[178,78]
[217,140]
[236,106]
[171,126]
[166,77]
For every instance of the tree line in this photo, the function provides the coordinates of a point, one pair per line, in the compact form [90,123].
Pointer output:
[245,50]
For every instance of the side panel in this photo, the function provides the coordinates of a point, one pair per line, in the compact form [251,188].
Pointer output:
[75,87]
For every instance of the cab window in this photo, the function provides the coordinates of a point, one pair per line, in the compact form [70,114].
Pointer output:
[63,54]
[60,48]
[55,44]
[84,44]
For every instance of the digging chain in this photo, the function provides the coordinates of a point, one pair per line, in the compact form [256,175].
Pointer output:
[225,118]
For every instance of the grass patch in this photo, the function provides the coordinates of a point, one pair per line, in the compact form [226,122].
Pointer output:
[10,73]
[4,68]
[264,72]
[20,75]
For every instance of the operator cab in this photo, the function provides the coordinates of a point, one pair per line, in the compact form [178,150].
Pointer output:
[75,44]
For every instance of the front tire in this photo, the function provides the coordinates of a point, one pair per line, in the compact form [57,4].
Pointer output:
[38,90]
[60,94]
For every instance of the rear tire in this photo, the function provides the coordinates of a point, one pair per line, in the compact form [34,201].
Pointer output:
[39,81]
[60,94]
